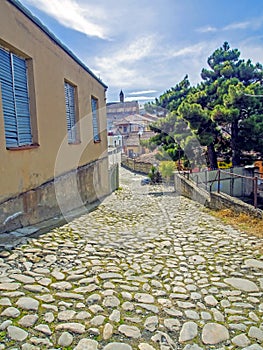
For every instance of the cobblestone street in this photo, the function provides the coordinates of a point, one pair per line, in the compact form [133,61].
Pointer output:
[146,270]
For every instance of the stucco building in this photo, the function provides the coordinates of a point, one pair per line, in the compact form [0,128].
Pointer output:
[134,129]
[53,137]
[119,110]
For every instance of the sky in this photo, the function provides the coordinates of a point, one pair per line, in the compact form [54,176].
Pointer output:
[145,47]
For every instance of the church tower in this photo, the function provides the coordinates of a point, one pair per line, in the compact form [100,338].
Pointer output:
[121,96]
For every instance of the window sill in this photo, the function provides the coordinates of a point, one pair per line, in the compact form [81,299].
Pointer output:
[23,148]
[74,143]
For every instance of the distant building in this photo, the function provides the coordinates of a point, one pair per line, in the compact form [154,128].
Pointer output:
[124,119]
[114,139]
[132,143]
[133,123]
[133,129]
[119,110]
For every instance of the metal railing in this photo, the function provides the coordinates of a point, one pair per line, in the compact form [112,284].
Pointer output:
[222,176]
[231,177]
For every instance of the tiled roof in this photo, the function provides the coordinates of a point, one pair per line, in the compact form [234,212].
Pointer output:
[122,104]
[133,119]
[148,158]
[134,140]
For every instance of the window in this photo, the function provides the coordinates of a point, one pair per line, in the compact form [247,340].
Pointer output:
[71,112]
[15,99]
[95,121]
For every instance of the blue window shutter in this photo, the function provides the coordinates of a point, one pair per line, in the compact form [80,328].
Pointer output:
[22,101]
[8,99]
[70,112]
[15,99]
[95,124]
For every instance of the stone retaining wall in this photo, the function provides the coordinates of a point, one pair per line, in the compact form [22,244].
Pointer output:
[222,201]
[133,165]
[114,180]
[213,200]
[69,191]
[189,189]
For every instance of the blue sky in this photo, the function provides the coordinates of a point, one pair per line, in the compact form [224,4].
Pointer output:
[144,47]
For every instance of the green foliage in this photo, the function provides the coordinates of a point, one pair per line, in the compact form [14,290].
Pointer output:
[251,134]
[2,336]
[155,175]
[222,115]
[172,98]
[167,169]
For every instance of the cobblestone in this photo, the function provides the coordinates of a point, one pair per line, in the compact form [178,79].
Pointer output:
[146,270]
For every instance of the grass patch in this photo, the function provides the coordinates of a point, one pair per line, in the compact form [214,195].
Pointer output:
[2,336]
[244,222]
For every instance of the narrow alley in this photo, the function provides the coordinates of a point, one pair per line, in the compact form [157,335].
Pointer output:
[146,270]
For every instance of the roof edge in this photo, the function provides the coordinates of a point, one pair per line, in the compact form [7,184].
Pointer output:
[52,36]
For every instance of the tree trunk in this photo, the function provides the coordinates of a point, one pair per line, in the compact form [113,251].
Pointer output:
[212,157]
[234,144]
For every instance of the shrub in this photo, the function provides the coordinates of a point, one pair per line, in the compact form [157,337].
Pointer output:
[167,169]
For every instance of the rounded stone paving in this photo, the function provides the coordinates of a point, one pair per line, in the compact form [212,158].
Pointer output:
[148,269]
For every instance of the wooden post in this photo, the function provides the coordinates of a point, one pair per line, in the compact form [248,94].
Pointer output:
[255,192]
[218,187]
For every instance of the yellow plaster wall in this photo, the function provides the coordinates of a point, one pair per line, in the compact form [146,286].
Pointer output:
[49,65]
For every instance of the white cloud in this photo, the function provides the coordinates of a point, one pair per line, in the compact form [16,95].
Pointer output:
[255,23]
[195,49]
[136,59]
[156,66]
[136,50]
[238,25]
[142,92]
[98,18]
[207,29]
[251,48]
[122,67]
[70,14]
[139,98]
